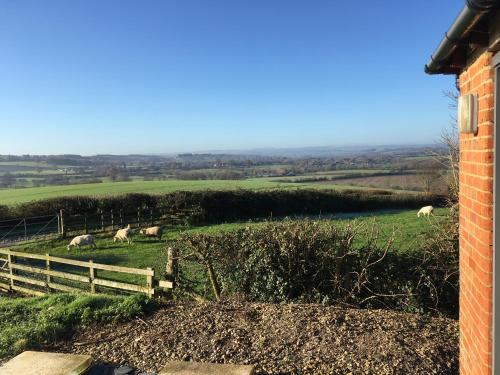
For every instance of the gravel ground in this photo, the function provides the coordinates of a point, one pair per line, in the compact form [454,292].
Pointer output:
[278,339]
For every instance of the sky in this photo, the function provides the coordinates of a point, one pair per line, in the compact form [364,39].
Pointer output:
[161,76]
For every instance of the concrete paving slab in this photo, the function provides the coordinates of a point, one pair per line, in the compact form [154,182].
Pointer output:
[42,363]
[195,368]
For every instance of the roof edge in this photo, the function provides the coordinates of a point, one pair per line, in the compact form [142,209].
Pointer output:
[472,12]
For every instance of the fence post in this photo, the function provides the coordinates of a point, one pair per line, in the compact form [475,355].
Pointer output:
[152,219]
[47,267]
[213,280]
[121,218]
[85,223]
[10,259]
[63,230]
[102,221]
[149,282]
[138,217]
[25,230]
[171,269]
[58,224]
[92,277]
[112,220]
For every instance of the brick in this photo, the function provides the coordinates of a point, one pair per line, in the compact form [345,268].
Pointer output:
[476,224]
[486,102]
[485,116]
[487,74]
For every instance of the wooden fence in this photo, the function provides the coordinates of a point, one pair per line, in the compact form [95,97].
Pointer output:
[18,273]
[65,223]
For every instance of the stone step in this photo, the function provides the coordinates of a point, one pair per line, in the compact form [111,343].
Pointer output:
[42,363]
[197,368]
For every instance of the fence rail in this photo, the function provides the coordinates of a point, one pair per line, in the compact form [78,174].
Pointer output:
[39,279]
[63,223]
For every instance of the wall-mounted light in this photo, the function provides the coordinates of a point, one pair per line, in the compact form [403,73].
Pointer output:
[467,114]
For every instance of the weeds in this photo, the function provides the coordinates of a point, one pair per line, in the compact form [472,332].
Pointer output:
[32,322]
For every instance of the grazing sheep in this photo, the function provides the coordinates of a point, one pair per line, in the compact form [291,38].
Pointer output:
[152,232]
[123,234]
[426,211]
[84,239]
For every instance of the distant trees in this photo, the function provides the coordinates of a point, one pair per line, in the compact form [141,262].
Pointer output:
[430,177]
[116,173]
[8,180]
[220,174]
[67,160]
[449,159]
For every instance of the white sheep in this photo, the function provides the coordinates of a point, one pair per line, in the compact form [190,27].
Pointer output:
[84,239]
[426,211]
[123,234]
[152,232]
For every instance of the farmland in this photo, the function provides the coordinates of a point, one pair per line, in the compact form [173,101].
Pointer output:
[14,196]
[28,178]
[408,230]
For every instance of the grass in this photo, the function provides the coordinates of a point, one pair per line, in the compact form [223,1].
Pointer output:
[407,228]
[26,164]
[40,173]
[34,322]
[30,323]
[347,172]
[15,196]
[146,252]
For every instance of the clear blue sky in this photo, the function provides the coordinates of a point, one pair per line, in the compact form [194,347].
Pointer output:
[94,76]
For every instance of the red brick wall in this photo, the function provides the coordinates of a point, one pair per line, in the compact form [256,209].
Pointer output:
[476,224]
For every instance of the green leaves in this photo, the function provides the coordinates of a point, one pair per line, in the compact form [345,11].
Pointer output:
[348,263]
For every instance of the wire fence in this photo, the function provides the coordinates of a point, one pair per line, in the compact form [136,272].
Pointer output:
[61,223]
[28,228]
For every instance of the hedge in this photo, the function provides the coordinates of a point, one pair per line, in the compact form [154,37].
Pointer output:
[217,206]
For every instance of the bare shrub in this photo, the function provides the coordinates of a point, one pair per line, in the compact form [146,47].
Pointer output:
[351,264]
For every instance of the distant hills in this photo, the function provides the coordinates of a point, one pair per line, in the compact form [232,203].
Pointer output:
[298,152]
[330,151]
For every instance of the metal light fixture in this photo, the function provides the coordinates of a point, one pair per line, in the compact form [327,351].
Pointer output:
[467,114]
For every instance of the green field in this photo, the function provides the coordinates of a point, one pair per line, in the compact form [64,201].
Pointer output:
[144,252]
[14,196]
[25,163]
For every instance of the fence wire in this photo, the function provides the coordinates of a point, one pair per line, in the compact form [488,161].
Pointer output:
[51,226]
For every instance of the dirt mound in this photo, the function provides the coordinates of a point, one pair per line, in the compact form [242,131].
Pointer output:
[279,339]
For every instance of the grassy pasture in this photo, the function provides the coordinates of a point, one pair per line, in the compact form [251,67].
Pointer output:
[15,196]
[146,252]
[43,172]
[402,181]
[25,163]
[347,172]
